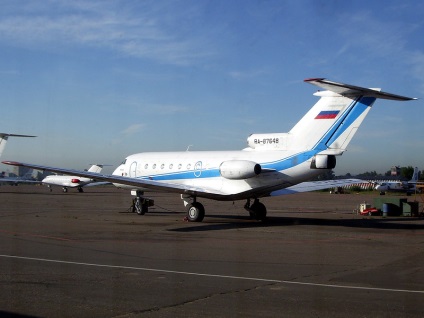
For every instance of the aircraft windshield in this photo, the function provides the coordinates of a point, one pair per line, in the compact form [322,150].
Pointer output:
[123,162]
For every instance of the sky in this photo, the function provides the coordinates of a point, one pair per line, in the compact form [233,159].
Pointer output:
[96,81]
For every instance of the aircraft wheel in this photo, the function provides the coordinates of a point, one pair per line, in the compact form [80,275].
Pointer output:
[252,215]
[259,211]
[195,212]
[141,208]
[65,190]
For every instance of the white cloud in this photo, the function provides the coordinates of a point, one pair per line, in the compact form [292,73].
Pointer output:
[143,31]
[242,75]
[132,129]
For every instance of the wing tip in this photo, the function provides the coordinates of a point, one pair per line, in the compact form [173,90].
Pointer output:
[12,163]
[314,79]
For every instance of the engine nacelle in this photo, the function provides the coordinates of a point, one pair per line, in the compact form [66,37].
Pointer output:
[323,162]
[239,169]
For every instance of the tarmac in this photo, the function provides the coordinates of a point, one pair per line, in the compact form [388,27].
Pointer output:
[87,255]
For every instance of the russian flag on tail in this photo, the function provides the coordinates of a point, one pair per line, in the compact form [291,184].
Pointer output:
[327,114]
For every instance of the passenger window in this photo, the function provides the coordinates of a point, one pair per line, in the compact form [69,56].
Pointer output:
[146,166]
[154,166]
[179,166]
[188,166]
[162,166]
[170,166]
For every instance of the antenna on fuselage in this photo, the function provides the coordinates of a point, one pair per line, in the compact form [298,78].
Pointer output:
[188,148]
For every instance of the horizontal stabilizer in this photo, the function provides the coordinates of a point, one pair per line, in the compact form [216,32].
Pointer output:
[14,135]
[351,90]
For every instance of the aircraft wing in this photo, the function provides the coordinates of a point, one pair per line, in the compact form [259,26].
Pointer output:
[316,185]
[135,182]
[185,189]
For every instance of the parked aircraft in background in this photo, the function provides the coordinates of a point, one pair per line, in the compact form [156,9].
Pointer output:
[272,164]
[73,181]
[4,137]
[27,178]
[398,186]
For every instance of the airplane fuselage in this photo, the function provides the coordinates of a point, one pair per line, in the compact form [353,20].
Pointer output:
[230,173]
[395,186]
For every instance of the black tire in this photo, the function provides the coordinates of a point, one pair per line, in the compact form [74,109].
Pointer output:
[195,212]
[259,211]
[141,208]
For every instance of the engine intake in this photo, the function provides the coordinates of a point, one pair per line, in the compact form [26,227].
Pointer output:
[239,169]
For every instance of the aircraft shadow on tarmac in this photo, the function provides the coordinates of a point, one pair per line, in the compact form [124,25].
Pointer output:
[8,314]
[235,222]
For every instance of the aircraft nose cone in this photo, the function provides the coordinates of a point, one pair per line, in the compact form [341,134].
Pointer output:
[118,171]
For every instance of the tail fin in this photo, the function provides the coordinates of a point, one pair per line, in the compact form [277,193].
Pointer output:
[4,137]
[414,176]
[96,168]
[331,123]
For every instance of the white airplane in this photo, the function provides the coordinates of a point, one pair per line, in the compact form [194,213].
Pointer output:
[14,181]
[27,178]
[399,186]
[72,181]
[272,164]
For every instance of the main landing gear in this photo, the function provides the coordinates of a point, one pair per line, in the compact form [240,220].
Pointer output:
[195,210]
[257,210]
[65,189]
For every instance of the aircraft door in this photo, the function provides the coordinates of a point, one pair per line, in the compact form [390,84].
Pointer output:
[133,169]
[198,169]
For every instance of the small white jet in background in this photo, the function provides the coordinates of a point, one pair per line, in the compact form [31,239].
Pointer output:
[272,164]
[399,186]
[73,181]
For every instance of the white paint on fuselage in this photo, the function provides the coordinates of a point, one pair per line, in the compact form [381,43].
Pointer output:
[201,169]
[66,181]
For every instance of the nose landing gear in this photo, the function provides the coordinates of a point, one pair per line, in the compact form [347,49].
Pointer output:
[140,204]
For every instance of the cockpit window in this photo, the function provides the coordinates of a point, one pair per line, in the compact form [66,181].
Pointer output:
[123,162]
